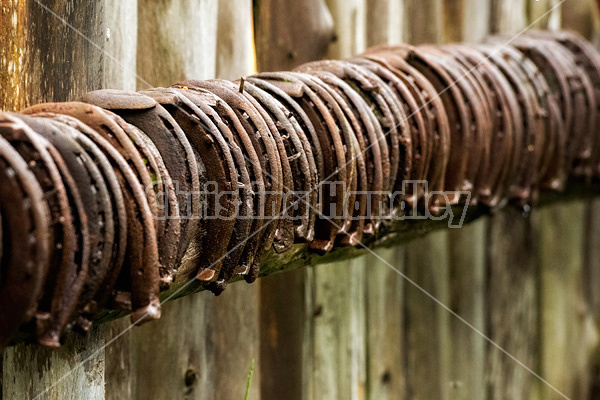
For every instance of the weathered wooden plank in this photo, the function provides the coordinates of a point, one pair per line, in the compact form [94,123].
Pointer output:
[508,16]
[385,22]
[425,24]
[121,44]
[120,73]
[349,19]
[384,324]
[176,40]
[236,316]
[545,14]
[73,372]
[289,33]
[235,39]
[286,346]
[512,285]
[36,65]
[512,303]
[566,329]
[384,286]
[426,324]
[339,331]
[466,21]
[175,357]
[467,298]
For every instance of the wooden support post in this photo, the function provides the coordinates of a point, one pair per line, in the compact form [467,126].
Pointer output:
[42,59]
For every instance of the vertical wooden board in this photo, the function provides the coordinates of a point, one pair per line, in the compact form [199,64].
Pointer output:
[545,14]
[467,21]
[235,39]
[339,331]
[425,21]
[581,16]
[567,334]
[385,22]
[426,323]
[467,298]
[384,287]
[37,66]
[512,300]
[75,371]
[591,286]
[512,282]
[176,40]
[120,73]
[384,324]
[286,347]
[340,365]
[289,33]
[349,19]
[121,44]
[427,326]
[508,16]
[174,357]
[236,312]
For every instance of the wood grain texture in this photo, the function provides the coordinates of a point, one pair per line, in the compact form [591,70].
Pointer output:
[426,323]
[120,73]
[75,371]
[508,16]
[176,40]
[42,59]
[467,275]
[235,39]
[568,335]
[425,24]
[464,21]
[513,306]
[384,324]
[385,22]
[289,33]
[236,318]
[349,20]
[339,331]
[174,358]
[121,44]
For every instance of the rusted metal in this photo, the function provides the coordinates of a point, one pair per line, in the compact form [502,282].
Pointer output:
[104,197]
[27,218]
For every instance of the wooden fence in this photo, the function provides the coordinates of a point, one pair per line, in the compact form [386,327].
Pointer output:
[347,330]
